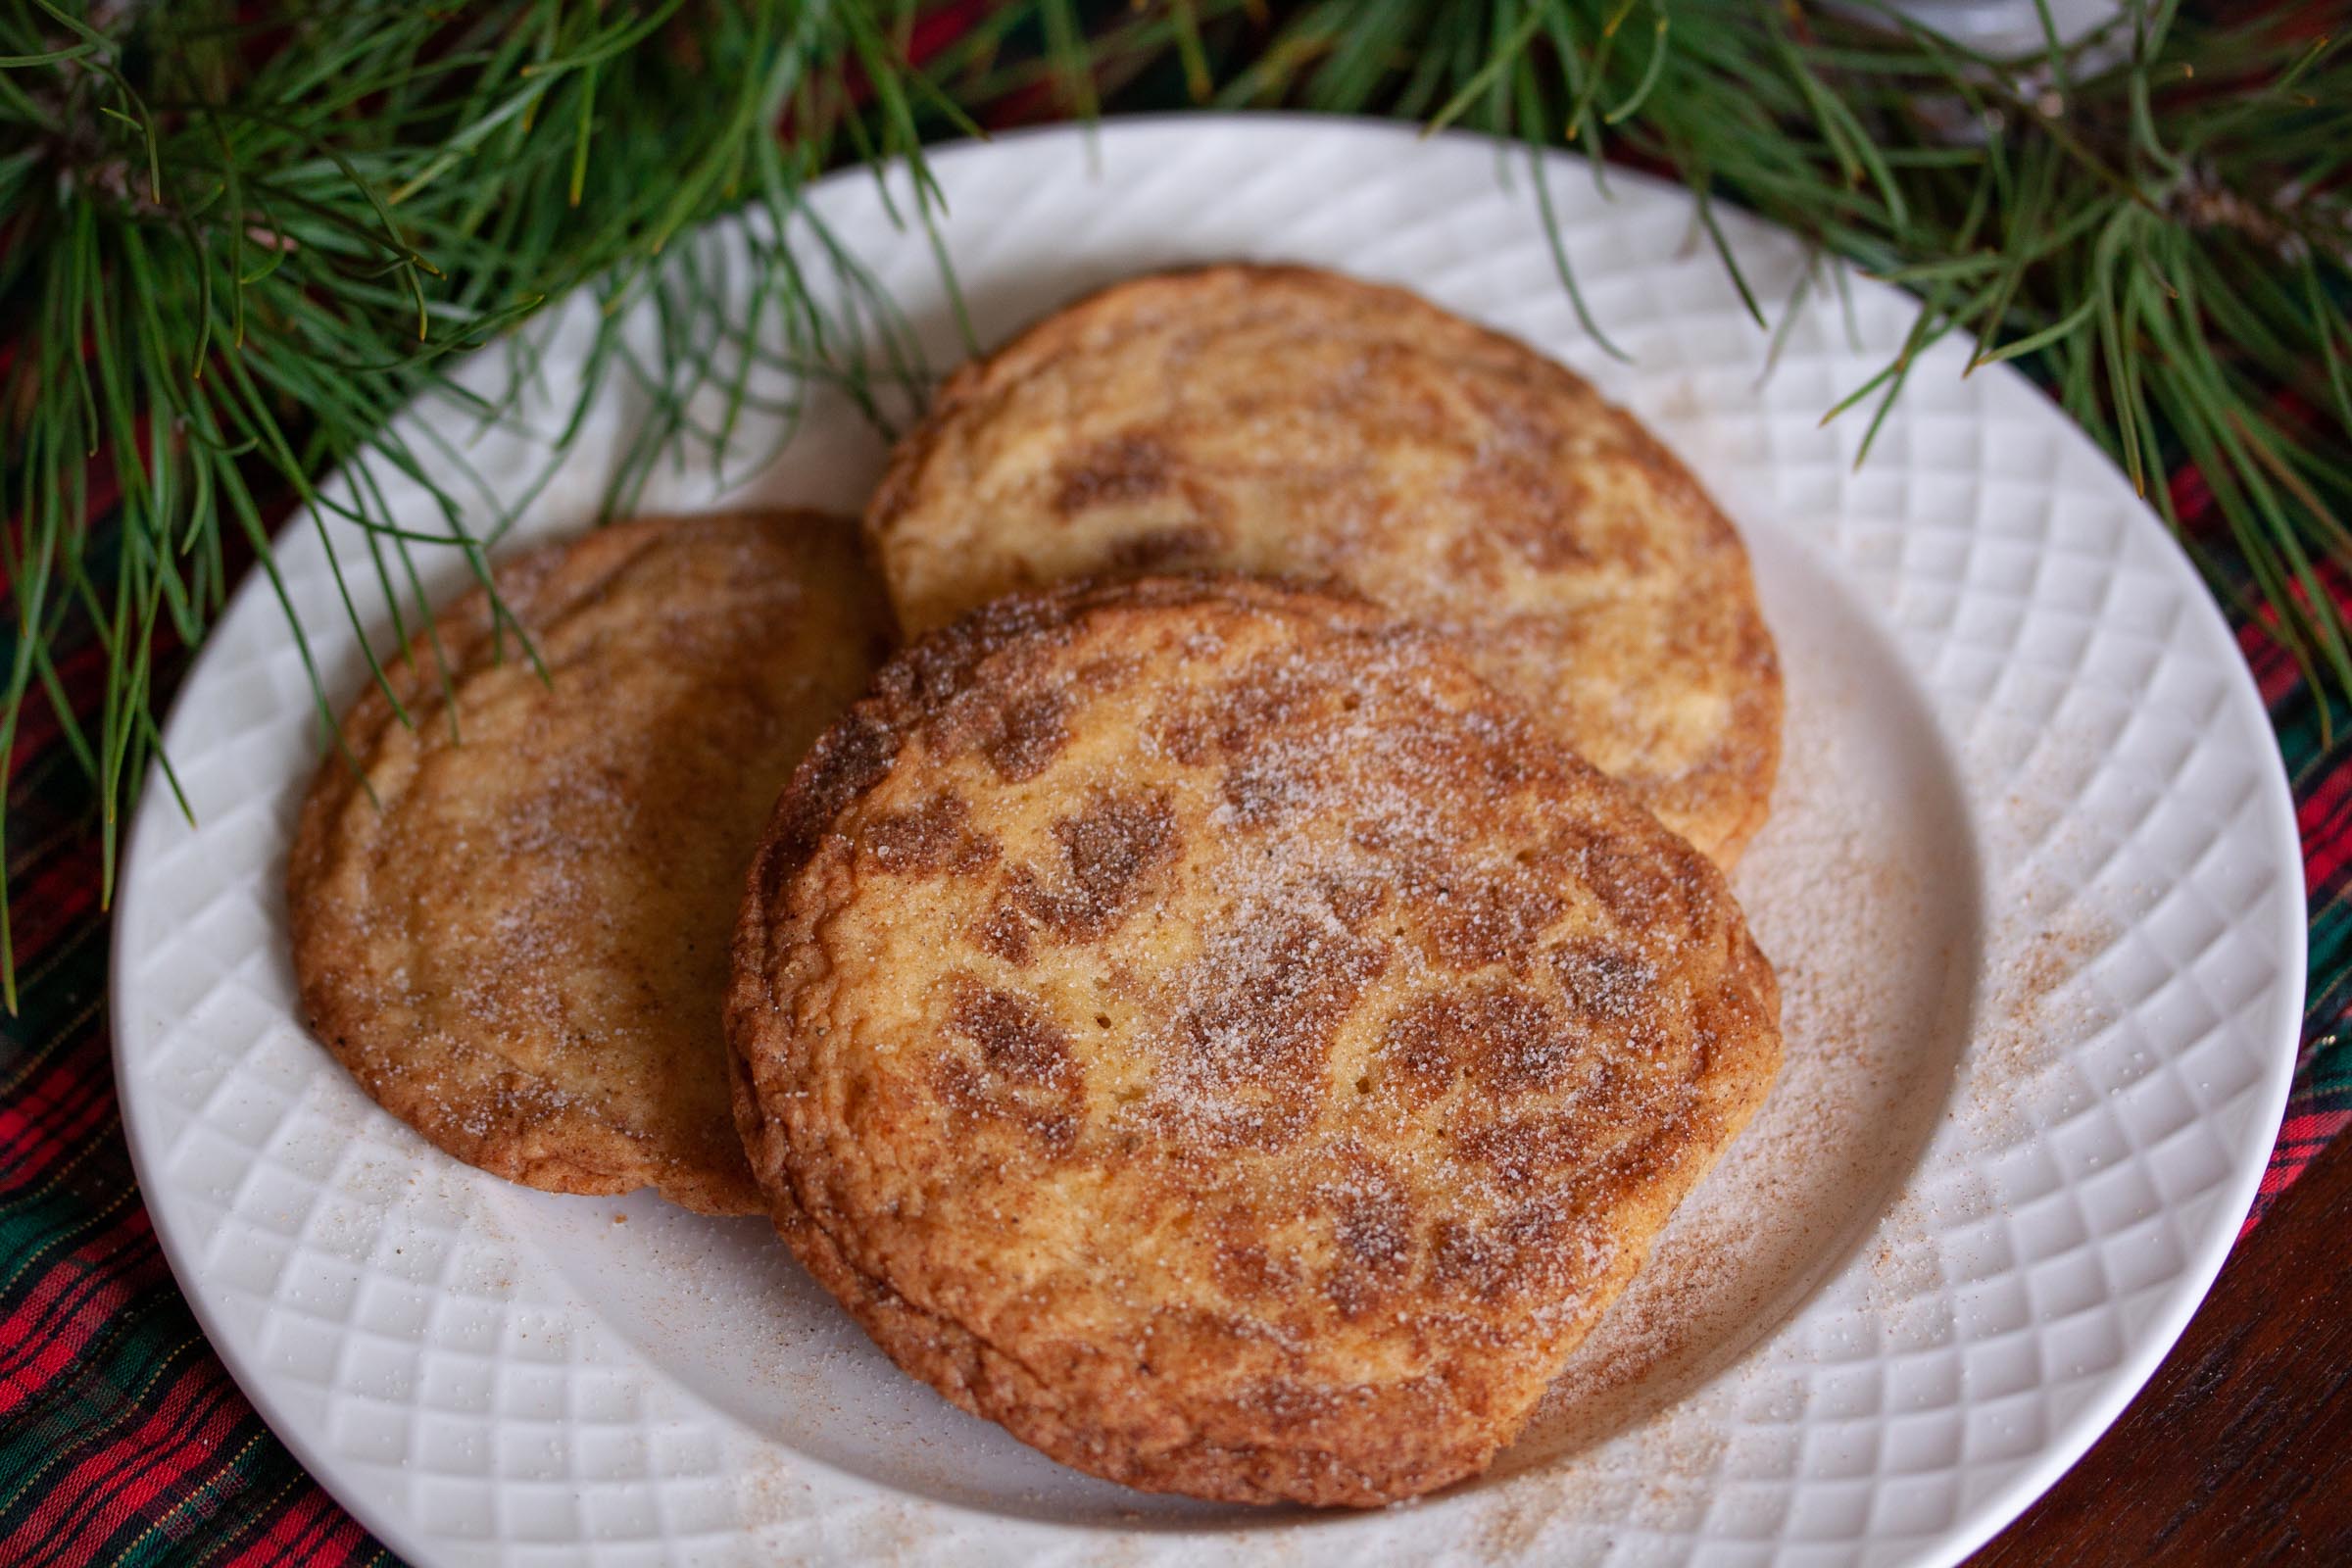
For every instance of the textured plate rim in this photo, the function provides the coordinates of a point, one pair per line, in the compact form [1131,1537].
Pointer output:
[1974,1524]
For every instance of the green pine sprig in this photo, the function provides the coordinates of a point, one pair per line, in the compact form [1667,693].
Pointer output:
[2154,216]
[237,238]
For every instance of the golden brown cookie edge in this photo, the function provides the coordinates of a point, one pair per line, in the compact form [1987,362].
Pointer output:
[565,1147]
[854,756]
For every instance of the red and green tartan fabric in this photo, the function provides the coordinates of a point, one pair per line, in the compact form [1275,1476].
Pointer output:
[2321,1102]
[124,1440]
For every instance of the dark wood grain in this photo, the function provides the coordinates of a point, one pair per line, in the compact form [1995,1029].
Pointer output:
[2241,1451]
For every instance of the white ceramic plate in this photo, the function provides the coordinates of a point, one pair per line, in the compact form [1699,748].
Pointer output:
[2032,881]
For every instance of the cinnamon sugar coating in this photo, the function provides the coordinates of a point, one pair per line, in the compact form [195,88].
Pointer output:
[1253,1081]
[520,944]
[1288,422]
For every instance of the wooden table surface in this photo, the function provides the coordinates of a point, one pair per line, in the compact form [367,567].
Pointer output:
[2241,1450]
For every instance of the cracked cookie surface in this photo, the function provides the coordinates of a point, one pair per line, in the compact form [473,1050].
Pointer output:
[519,945]
[1198,1024]
[1293,422]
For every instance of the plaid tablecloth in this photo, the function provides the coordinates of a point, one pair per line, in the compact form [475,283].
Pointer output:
[122,1438]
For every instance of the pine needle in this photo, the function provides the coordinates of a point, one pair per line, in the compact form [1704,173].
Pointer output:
[224,268]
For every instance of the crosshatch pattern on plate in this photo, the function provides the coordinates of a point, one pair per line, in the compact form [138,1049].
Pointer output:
[1993,641]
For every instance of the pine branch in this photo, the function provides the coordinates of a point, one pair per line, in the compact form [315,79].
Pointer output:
[236,240]
[2154,218]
